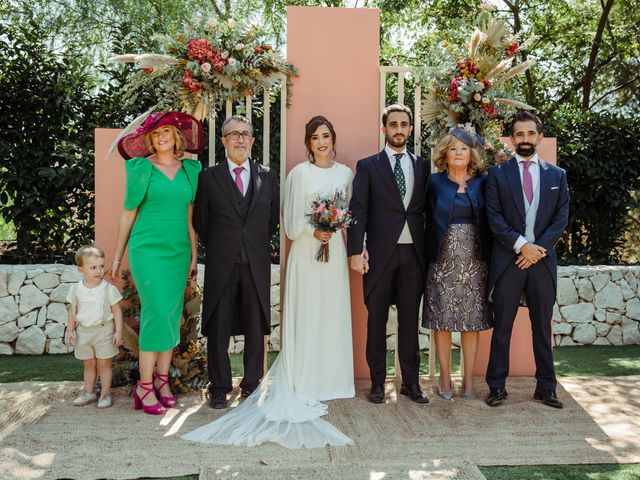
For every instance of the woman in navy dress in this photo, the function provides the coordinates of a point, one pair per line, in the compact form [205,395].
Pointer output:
[458,249]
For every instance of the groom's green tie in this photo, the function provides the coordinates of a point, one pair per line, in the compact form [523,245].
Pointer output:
[399,174]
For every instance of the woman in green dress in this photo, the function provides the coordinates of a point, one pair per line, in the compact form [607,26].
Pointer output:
[156,226]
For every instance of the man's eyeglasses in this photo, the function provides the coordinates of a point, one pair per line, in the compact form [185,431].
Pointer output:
[236,135]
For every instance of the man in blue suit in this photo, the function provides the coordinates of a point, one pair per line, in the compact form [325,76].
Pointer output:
[388,208]
[527,210]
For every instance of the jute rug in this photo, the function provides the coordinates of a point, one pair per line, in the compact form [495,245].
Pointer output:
[42,436]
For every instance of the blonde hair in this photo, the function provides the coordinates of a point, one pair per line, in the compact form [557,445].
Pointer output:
[91,250]
[476,163]
[178,147]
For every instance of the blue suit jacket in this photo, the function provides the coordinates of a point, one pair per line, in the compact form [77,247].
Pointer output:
[506,214]
[378,211]
[440,195]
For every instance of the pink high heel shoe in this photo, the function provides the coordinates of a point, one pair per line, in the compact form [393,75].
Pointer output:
[168,401]
[154,409]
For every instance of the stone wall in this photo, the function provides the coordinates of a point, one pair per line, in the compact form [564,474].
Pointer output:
[596,305]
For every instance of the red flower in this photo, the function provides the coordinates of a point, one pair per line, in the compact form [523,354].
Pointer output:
[489,111]
[217,62]
[199,49]
[266,48]
[257,49]
[148,70]
[468,68]
[453,89]
[487,85]
[511,49]
[189,83]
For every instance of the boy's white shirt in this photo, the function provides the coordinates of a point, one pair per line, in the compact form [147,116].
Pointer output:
[92,306]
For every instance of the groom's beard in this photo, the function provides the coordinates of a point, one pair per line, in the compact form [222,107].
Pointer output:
[397,141]
[525,149]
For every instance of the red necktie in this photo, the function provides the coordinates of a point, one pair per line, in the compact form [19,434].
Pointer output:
[527,181]
[239,184]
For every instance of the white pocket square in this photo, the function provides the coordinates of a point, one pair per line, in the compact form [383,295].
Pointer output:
[554,188]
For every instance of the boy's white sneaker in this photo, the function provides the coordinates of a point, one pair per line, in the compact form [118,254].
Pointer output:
[84,399]
[105,402]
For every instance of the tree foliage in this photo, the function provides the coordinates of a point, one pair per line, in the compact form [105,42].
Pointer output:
[601,154]
[46,175]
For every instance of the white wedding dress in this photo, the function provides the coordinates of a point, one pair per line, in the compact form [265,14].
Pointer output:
[316,359]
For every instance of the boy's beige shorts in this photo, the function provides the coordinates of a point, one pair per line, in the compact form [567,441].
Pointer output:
[95,342]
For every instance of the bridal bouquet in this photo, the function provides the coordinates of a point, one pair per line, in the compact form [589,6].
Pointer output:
[329,215]
[472,86]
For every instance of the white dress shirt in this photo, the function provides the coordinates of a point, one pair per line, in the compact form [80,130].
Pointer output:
[534,170]
[245,175]
[409,179]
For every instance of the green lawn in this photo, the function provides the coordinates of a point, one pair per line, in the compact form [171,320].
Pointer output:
[608,361]
[563,472]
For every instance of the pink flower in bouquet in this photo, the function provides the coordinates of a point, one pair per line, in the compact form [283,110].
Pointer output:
[199,49]
[206,67]
[485,100]
[320,209]
[477,97]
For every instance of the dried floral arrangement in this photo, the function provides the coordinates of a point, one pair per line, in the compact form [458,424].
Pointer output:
[206,66]
[471,88]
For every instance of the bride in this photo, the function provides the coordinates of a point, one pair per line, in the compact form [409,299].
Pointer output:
[316,359]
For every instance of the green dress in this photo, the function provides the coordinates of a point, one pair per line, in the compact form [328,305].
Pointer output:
[159,247]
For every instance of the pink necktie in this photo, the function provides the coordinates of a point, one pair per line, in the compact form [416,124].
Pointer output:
[239,184]
[527,181]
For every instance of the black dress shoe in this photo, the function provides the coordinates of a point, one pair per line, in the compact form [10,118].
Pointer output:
[414,393]
[496,397]
[548,397]
[218,401]
[376,395]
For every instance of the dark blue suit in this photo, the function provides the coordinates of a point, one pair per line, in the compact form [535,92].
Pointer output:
[507,283]
[396,272]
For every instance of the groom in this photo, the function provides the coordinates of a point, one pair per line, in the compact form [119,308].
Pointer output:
[527,209]
[236,212]
[387,205]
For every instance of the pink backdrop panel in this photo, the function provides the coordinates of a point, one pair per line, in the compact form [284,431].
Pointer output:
[521,360]
[110,188]
[337,52]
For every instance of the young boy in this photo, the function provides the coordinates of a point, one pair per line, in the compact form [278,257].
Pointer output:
[95,324]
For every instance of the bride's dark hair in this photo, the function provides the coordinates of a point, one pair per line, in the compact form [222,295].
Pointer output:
[310,128]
